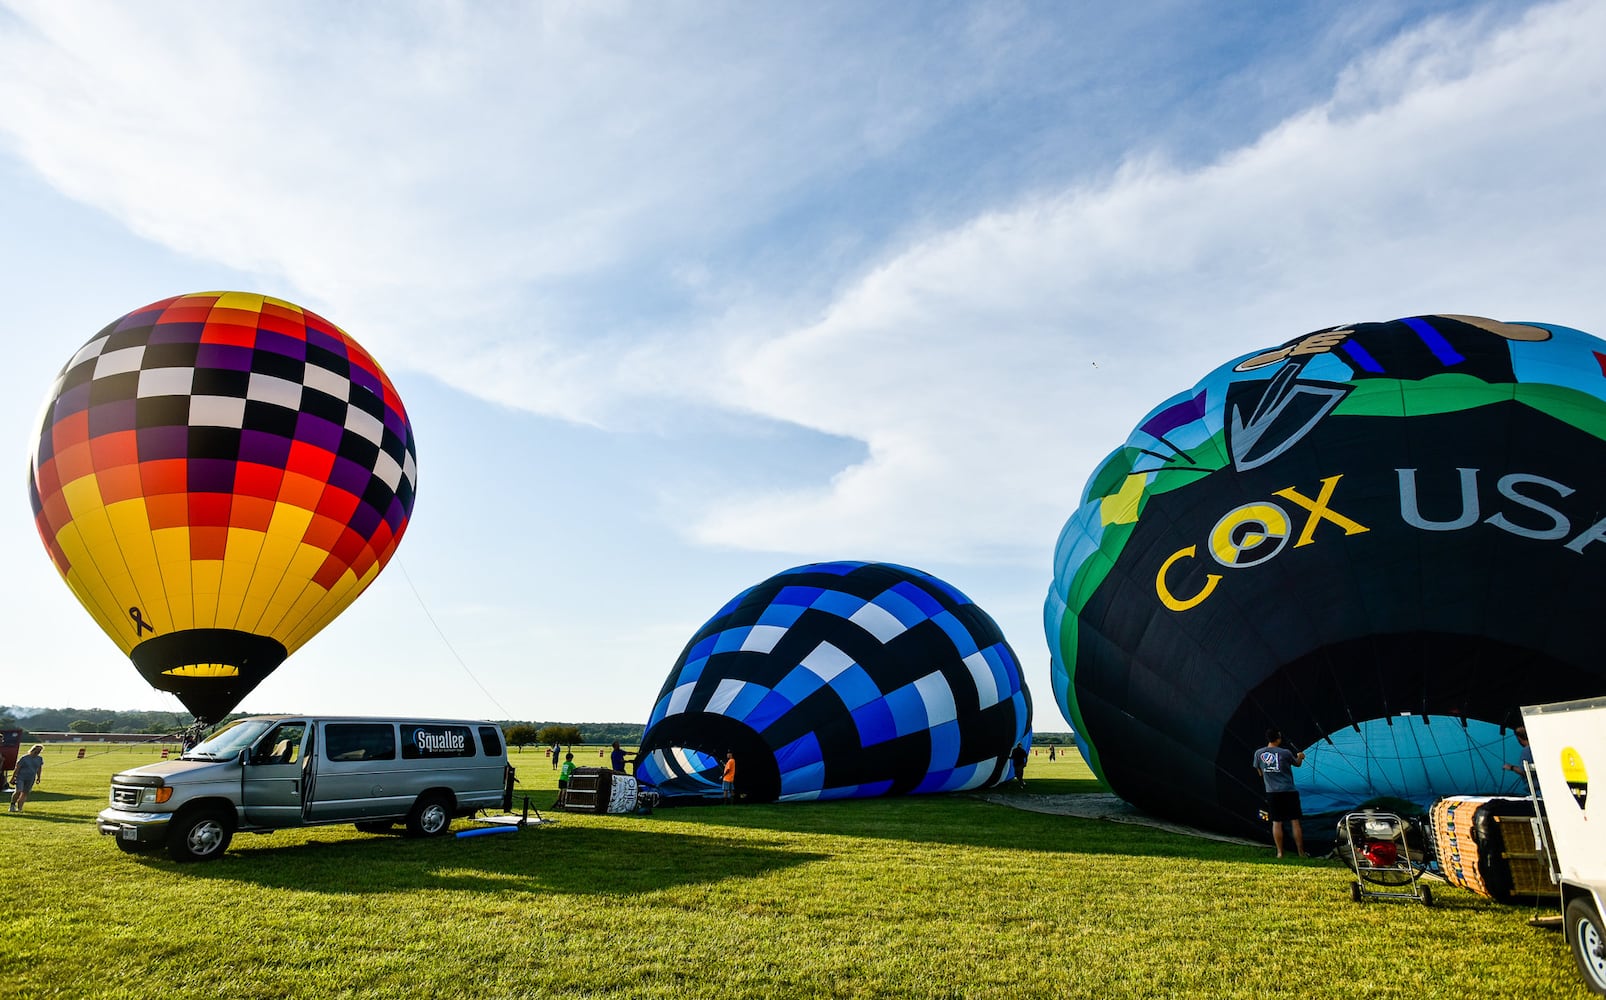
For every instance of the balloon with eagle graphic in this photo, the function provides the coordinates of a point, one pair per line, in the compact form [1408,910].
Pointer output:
[1380,538]
[217,476]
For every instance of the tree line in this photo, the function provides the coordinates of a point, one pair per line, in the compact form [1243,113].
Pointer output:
[103,720]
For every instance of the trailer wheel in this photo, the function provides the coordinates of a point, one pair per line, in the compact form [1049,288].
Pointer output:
[431,816]
[1588,942]
[1355,892]
[1427,895]
[200,835]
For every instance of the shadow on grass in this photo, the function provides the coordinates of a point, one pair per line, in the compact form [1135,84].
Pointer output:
[963,821]
[578,860]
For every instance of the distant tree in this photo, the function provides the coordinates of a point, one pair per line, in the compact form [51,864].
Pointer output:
[84,726]
[521,735]
[560,734]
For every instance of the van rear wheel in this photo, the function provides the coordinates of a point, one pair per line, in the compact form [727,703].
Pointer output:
[200,835]
[431,816]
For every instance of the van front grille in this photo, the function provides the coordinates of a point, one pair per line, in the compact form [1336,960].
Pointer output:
[125,795]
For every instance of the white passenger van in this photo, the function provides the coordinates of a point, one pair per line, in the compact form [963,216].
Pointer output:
[271,772]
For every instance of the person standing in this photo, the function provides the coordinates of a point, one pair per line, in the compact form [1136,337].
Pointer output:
[1275,763]
[727,783]
[554,756]
[1017,757]
[26,775]
[617,758]
[563,777]
[1525,753]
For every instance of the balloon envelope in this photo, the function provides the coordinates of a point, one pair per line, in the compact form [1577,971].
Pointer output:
[216,477]
[837,680]
[1362,522]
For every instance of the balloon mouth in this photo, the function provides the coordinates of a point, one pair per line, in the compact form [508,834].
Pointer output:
[689,753]
[211,670]
[204,670]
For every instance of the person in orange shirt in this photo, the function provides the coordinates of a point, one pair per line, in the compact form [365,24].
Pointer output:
[728,784]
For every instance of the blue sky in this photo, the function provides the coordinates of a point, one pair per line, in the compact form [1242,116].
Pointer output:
[679,296]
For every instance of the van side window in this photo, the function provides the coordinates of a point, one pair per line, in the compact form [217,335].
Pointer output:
[491,740]
[359,741]
[281,746]
[422,740]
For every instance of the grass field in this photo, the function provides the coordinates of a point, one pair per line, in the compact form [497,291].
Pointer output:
[936,896]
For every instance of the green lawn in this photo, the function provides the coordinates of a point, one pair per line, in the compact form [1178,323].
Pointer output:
[936,896]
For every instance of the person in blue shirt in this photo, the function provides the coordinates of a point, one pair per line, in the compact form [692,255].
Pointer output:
[1275,764]
[27,775]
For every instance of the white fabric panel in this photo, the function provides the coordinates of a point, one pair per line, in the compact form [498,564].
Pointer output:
[167,382]
[982,671]
[726,693]
[826,661]
[762,638]
[217,411]
[877,621]
[938,698]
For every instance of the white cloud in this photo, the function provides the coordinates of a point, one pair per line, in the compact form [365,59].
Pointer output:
[1452,171]
[482,196]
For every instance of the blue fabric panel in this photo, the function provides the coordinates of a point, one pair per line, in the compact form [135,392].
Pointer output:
[956,632]
[771,708]
[1005,676]
[837,603]
[799,753]
[855,687]
[875,723]
[692,671]
[732,604]
[730,640]
[934,781]
[781,615]
[660,709]
[900,607]
[968,776]
[908,710]
[799,684]
[846,792]
[801,596]
[809,778]
[928,605]
[746,702]
[945,745]
[702,649]
[873,789]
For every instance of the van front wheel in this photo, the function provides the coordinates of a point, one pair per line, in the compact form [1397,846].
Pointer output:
[431,816]
[201,835]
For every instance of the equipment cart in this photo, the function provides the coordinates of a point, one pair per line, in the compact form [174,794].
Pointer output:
[1381,859]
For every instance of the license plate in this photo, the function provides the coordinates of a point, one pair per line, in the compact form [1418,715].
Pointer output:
[129,833]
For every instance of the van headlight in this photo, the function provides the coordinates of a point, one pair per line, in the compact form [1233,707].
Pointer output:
[158,795]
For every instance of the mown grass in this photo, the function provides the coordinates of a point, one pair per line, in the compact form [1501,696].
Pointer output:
[919,897]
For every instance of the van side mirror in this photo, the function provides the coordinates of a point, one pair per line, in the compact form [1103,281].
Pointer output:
[245,756]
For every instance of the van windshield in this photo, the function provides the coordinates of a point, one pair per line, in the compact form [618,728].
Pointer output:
[229,740]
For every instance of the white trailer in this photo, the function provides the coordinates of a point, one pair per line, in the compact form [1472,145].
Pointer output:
[1568,740]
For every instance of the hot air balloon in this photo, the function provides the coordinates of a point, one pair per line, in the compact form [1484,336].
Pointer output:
[1381,538]
[217,476]
[836,680]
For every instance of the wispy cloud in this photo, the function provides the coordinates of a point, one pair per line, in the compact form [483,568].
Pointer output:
[562,211]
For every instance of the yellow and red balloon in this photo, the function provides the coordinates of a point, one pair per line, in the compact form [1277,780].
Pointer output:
[216,477]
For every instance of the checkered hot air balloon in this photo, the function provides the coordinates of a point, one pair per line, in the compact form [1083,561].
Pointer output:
[836,680]
[216,477]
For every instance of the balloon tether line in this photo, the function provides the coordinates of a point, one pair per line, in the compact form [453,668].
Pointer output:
[460,662]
